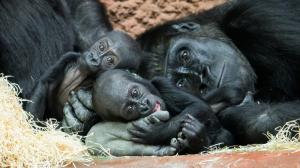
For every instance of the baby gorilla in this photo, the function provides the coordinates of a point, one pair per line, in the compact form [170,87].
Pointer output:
[117,98]
[114,50]
[121,96]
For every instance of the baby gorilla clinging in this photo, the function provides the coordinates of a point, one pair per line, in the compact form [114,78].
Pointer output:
[121,96]
[114,50]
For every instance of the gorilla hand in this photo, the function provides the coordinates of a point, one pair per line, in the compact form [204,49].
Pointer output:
[193,134]
[225,96]
[145,129]
[78,114]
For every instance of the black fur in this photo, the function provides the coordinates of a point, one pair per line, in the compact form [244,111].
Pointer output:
[35,33]
[267,34]
[182,106]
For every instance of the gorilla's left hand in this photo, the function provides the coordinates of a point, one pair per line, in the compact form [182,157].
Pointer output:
[78,111]
[192,137]
[145,129]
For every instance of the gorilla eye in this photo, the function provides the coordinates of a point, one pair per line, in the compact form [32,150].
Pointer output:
[134,93]
[110,60]
[184,56]
[181,83]
[130,108]
[102,45]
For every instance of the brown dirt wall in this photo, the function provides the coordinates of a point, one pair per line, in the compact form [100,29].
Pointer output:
[136,16]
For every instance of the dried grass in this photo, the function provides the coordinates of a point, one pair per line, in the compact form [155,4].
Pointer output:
[25,144]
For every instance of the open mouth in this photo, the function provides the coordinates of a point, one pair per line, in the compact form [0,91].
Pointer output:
[156,107]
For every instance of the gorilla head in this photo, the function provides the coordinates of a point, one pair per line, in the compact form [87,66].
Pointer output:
[114,50]
[121,96]
[199,59]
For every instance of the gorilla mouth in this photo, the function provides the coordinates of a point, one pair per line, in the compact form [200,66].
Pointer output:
[156,107]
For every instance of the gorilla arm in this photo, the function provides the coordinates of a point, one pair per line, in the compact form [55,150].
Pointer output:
[47,83]
[181,105]
[89,20]
[250,121]
[115,137]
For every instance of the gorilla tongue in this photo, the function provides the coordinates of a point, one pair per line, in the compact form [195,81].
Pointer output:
[157,107]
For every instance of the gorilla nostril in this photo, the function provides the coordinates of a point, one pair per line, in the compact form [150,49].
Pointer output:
[93,60]
[148,102]
[144,108]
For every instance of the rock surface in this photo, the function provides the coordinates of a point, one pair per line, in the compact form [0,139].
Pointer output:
[136,16]
[232,160]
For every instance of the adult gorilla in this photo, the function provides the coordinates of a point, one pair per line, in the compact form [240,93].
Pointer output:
[209,54]
[35,33]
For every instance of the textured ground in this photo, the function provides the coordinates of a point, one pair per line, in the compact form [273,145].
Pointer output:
[136,16]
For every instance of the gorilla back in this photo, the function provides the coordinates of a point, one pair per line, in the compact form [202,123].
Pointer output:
[35,33]
[32,37]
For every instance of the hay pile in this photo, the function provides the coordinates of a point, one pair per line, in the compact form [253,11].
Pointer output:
[23,146]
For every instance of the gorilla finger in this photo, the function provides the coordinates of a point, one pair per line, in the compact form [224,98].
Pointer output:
[194,128]
[85,97]
[175,143]
[137,140]
[136,133]
[73,123]
[65,126]
[190,117]
[162,115]
[68,114]
[183,143]
[81,112]
[188,133]
[138,126]
[154,120]
[180,135]
[169,151]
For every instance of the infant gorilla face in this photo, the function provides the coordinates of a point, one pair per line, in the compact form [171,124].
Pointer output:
[121,96]
[115,50]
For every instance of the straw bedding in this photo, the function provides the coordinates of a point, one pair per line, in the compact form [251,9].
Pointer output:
[23,146]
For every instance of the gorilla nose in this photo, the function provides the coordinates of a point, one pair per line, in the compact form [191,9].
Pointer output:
[147,102]
[92,59]
[144,108]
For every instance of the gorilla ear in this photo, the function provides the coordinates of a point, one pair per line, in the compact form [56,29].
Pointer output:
[186,27]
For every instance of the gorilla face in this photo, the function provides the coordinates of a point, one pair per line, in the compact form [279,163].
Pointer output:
[119,95]
[202,64]
[115,50]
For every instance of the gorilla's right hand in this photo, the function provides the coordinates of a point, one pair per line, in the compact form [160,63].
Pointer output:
[78,112]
